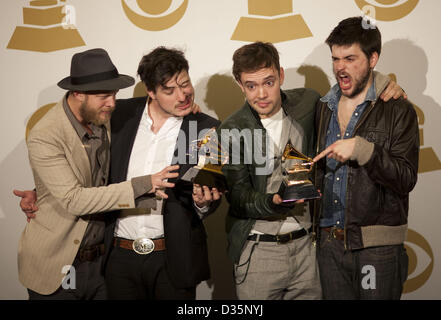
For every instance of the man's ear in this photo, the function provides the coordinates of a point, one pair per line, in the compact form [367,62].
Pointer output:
[239,83]
[151,94]
[80,96]
[373,60]
[281,76]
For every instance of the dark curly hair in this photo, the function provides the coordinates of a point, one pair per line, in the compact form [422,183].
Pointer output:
[354,30]
[255,56]
[160,65]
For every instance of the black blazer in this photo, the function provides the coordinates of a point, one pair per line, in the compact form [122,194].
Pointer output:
[185,236]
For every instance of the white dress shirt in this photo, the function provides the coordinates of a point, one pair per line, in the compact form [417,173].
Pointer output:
[150,154]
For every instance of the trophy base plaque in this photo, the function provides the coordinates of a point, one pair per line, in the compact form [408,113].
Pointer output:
[206,177]
[298,192]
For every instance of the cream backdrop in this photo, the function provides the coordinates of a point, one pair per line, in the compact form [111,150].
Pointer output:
[35,55]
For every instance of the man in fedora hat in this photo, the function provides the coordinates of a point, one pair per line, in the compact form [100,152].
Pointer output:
[60,250]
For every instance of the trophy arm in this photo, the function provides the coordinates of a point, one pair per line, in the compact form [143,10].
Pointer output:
[298,182]
[302,167]
[297,170]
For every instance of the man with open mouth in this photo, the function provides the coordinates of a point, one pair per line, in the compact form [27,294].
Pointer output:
[367,166]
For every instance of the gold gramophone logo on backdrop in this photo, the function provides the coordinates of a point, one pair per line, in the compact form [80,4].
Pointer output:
[428,160]
[417,278]
[387,10]
[158,17]
[49,25]
[273,21]
[36,116]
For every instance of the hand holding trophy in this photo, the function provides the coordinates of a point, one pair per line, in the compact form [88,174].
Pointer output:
[296,184]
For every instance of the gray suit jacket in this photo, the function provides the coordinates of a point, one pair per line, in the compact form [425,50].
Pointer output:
[63,180]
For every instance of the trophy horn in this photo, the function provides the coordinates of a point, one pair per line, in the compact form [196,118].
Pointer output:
[292,153]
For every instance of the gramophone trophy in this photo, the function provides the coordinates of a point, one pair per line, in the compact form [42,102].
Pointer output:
[208,171]
[296,184]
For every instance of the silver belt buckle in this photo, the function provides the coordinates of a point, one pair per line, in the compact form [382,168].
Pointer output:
[143,245]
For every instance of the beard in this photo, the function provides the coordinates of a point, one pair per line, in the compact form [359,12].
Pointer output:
[90,115]
[359,84]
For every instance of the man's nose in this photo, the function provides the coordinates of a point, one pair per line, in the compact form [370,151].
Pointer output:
[180,94]
[111,100]
[262,92]
[339,65]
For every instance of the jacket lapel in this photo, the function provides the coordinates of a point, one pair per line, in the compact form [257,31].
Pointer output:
[80,160]
[122,144]
[183,145]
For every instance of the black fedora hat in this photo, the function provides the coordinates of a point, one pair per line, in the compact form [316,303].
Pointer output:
[92,70]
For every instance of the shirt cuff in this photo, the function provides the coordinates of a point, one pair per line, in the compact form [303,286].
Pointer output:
[362,151]
[141,185]
[146,202]
[201,211]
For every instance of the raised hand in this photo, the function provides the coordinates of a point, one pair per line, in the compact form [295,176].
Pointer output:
[159,181]
[393,90]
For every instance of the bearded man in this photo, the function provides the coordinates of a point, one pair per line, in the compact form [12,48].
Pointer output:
[367,167]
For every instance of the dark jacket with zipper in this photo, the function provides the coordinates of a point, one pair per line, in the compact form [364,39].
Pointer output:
[377,197]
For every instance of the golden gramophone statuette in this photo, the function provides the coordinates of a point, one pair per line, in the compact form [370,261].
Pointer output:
[208,171]
[296,184]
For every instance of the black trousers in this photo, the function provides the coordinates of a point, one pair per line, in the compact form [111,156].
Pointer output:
[86,283]
[132,276]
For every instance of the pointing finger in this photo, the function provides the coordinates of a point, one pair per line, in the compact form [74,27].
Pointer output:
[322,154]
